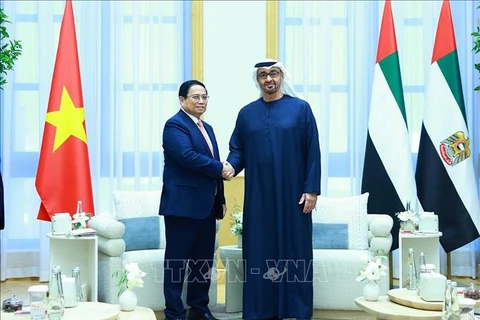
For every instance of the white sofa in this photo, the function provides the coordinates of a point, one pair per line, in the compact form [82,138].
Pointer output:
[135,206]
[335,270]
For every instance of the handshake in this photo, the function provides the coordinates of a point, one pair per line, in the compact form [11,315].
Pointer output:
[228,172]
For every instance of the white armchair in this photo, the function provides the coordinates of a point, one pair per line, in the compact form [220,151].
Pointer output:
[136,233]
[335,269]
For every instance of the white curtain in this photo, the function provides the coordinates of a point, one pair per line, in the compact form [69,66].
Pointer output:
[132,59]
[330,47]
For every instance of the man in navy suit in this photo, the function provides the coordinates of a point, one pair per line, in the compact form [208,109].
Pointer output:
[192,199]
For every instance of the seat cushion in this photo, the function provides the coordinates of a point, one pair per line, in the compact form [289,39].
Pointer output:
[349,210]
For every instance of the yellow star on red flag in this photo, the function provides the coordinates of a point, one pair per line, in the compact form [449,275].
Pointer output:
[68,120]
[63,173]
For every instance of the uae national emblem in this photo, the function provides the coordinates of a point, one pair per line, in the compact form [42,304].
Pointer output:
[455,148]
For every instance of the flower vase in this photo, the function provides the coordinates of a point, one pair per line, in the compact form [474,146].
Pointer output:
[408,226]
[239,241]
[371,291]
[127,300]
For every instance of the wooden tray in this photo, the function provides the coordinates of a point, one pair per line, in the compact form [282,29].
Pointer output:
[410,298]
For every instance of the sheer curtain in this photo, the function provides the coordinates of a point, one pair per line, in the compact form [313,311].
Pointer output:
[330,47]
[132,59]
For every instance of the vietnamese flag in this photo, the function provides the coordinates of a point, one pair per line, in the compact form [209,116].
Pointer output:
[63,175]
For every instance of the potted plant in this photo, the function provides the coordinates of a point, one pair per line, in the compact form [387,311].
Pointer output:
[127,279]
[373,269]
[10,50]
[236,225]
[476,48]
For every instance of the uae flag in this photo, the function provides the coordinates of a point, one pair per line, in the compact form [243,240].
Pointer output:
[445,175]
[388,174]
[63,175]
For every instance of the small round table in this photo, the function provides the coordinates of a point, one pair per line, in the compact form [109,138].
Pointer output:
[232,260]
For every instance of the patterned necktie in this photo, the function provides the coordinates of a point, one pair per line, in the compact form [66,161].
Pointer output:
[205,135]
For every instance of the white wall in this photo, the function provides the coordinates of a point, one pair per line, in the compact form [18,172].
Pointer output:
[234,40]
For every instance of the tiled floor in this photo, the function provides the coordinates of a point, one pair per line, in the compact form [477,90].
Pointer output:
[19,287]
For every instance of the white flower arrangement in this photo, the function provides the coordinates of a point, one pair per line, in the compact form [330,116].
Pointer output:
[236,226]
[373,270]
[408,217]
[80,220]
[130,277]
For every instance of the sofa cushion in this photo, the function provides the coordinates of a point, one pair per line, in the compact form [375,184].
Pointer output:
[349,210]
[141,233]
[136,203]
[329,235]
[133,204]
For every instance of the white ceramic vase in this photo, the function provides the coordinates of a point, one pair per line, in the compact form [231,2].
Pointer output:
[239,241]
[128,300]
[371,291]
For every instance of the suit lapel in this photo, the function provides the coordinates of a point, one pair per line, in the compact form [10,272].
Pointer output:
[195,131]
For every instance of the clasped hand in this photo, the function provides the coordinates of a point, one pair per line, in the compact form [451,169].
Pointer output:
[228,172]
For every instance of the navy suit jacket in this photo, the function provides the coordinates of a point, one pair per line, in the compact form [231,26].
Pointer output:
[191,173]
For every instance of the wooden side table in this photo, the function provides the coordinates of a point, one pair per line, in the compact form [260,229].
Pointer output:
[69,252]
[428,243]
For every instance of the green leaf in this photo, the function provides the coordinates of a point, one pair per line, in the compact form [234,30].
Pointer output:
[10,51]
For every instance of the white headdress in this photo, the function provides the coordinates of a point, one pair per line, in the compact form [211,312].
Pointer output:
[286,87]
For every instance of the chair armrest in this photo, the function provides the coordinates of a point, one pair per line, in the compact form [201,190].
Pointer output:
[107,227]
[379,233]
[109,233]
